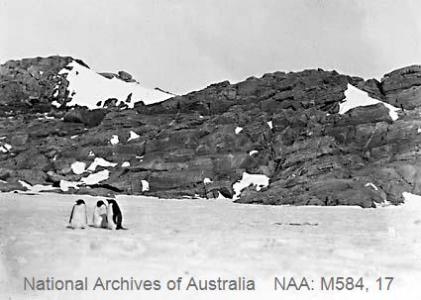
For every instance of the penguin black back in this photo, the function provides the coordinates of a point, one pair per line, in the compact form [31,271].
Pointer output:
[117,215]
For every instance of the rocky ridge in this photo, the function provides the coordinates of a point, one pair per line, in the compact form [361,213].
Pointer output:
[286,126]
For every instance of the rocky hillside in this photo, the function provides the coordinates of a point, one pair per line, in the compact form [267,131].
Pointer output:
[308,138]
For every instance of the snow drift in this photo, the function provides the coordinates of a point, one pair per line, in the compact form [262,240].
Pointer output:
[355,97]
[88,88]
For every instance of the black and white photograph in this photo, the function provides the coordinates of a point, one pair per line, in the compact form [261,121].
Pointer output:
[210,149]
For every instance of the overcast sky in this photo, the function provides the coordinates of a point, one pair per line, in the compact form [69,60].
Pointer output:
[183,45]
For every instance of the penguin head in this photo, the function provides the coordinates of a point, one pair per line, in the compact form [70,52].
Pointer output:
[80,202]
[111,201]
[100,203]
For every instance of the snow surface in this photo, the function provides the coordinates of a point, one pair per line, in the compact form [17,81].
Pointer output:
[355,97]
[238,129]
[99,161]
[78,167]
[206,239]
[257,180]
[90,87]
[133,136]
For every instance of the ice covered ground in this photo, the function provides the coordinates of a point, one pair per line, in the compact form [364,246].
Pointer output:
[206,239]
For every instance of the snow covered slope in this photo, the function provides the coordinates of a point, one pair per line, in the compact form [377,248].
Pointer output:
[356,97]
[87,88]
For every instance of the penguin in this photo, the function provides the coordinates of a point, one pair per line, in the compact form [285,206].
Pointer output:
[114,215]
[99,219]
[78,217]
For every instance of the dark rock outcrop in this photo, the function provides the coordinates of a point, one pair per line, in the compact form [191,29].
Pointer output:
[90,118]
[402,87]
[289,121]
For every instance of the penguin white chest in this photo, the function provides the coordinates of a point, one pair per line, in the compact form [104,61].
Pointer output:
[100,217]
[110,215]
[78,219]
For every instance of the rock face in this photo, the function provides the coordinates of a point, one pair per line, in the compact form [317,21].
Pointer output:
[286,126]
[30,85]
[402,87]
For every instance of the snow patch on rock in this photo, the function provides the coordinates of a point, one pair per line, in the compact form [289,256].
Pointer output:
[145,185]
[88,88]
[25,184]
[37,187]
[65,185]
[125,164]
[270,124]
[355,97]
[98,161]
[114,140]
[133,136]
[369,184]
[253,152]
[221,197]
[238,129]
[78,167]
[258,180]
[95,178]
[5,148]
[385,203]
[207,180]
[56,104]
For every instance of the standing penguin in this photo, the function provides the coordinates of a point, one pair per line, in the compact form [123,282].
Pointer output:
[78,217]
[114,215]
[99,219]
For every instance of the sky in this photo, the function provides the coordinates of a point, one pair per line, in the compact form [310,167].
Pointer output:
[185,45]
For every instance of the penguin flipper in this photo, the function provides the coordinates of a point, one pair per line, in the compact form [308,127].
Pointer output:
[71,215]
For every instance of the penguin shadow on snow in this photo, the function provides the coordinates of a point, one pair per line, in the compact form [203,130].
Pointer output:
[104,216]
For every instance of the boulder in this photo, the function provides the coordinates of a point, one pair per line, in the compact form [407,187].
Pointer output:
[123,75]
[90,118]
